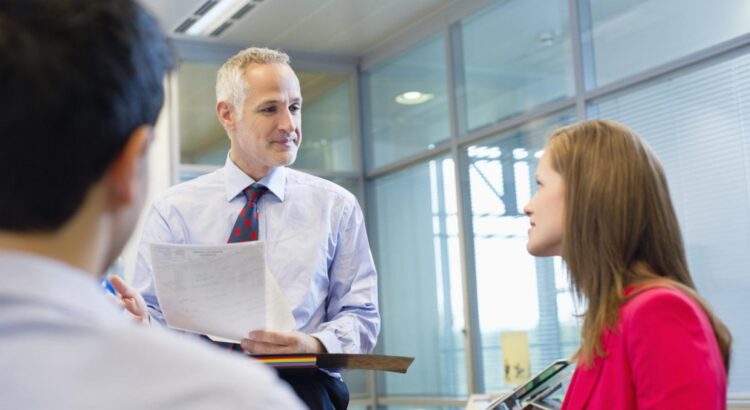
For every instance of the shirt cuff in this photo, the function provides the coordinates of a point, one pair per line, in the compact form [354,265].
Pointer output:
[329,340]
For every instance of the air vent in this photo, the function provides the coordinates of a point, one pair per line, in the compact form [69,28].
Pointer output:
[207,19]
[182,28]
[202,10]
[241,12]
[221,29]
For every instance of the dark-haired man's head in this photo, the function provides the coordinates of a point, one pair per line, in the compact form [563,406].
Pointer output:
[82,86]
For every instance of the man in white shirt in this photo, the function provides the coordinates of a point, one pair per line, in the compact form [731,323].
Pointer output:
[82,86]
[315,240]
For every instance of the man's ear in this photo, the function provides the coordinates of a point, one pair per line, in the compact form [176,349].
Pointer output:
[225,112]
[125,172]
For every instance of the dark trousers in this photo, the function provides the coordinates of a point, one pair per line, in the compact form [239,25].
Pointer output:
[317,389]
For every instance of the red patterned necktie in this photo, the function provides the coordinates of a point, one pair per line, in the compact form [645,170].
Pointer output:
[246,227]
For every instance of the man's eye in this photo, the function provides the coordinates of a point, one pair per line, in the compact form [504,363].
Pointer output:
[295,107]
[268,109]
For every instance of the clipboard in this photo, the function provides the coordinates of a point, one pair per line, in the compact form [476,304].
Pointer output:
[335,361]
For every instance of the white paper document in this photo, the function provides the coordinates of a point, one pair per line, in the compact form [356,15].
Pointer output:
[222,291]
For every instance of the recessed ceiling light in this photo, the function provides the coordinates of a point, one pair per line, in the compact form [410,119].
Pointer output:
[413,97]
[546,38]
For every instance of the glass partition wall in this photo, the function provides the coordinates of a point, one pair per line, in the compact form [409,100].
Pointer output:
[454,124]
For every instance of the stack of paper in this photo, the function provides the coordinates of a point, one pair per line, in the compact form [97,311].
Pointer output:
[222,291]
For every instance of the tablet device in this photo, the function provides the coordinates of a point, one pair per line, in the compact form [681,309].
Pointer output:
[541,380]
[528,390]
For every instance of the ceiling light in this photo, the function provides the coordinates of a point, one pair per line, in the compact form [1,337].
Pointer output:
[546,38]
[215,16]
[413,97]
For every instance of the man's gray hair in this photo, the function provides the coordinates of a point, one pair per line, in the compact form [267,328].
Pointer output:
[229,80]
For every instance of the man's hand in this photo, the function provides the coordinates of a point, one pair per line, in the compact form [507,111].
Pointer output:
[263,342]
[130,299]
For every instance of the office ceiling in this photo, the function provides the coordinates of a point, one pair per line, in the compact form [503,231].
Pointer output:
[349,28]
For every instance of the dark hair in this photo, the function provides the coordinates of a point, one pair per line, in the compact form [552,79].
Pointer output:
[77,77]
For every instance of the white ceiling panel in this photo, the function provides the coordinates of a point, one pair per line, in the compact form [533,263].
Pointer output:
[349,28]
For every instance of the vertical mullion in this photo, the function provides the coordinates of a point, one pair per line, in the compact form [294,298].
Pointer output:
[583,62]
[457,106]
[357,139]
[358,149]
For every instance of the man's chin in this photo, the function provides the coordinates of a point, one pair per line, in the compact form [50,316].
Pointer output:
[286,159]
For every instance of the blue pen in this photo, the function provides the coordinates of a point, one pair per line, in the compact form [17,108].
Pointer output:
[107,285]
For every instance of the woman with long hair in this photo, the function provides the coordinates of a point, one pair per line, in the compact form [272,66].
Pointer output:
[648,340]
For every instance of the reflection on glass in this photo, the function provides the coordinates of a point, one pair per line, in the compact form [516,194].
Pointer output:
[630,36]
[417,254]
[517,55]
[515,291]
[326,123]
[406,105]
[697,123]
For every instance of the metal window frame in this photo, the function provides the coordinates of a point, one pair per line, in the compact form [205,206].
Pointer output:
[585,93]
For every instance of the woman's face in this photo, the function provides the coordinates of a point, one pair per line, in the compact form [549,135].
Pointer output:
[545,211]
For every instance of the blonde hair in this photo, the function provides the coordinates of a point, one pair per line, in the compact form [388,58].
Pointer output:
[229,80]
[620,226]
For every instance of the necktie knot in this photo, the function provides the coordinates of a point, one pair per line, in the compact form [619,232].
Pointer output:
[254,191]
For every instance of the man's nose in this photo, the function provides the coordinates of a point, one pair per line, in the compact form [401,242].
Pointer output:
[287,122]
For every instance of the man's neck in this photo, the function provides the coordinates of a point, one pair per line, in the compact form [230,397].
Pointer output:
[256,173]
[49,247]
[78,243]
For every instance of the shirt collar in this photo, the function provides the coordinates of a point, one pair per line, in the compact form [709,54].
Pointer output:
[235,180]
[44,280]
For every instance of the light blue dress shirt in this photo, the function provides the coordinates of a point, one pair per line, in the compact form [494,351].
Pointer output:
[64,345]
[316,247]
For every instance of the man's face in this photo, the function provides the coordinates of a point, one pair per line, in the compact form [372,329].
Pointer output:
[268,132]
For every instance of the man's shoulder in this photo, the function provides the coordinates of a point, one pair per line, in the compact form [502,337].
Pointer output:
[302,179]
[119,365]
[199,187]
[164,359]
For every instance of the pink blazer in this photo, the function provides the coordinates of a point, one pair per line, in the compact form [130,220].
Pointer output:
[662,355]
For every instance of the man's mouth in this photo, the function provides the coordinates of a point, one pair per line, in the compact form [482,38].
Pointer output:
[285,141]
